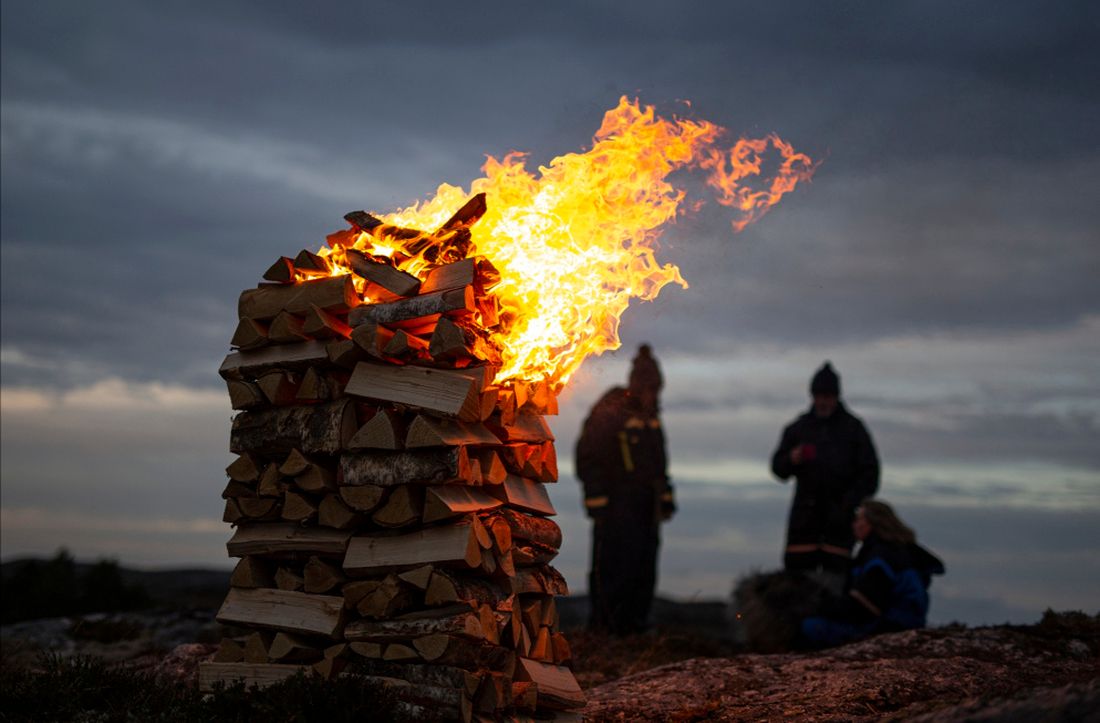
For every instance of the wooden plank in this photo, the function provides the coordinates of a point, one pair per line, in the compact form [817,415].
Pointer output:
[451,301]
[524,494]
[335,294]
[442,391]
[429,431]
[288,611]
[250,364]
[445,501]
[432,465]
[319,428]
[447,545]
[253,675]
[269,538]
[385,275]
[557,688]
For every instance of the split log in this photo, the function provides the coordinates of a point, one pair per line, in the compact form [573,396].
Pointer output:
[250,334]
[524,695]
[449,545]
[334,513]
[279,388]
[531,428]
[404,507]
[400,653]
[232,513]
[244,395]
[562,652]
[477,272]
[252,675]
[383,274]
[523,494]
[534,529]
[403,345]
[448,587]
[322,428]
[495,693]
[440,465]
[449,393]
[453,341]
[245,468]
[298,508]
[493,471]
[418,577]
[531,554]
[544,580]
[344,353]
[388,598]
[334,294]
[356,590]
[428,431]
[372,338]
[321,577]
[256,645]
[315,387]
[442,502]
[281,272]
[311,264]
[466,624]
[229,651]
[549,464]
[319,324]
[502,534]
[468,215]
[459,652]
[367,650]
[287,328]
[541,648]
[316,479]
[385,430]
[286,579]
[238,489]
[252,363]
[451,301]
[364,498]
[272,484]
[257,508]
[270,538]
[557,688]
[251,572]
[295,464]
[290,612]
[291,648]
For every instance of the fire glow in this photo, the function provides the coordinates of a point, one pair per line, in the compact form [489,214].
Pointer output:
[576,241]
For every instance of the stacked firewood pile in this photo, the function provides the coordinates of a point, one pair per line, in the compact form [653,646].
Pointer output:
[388,498]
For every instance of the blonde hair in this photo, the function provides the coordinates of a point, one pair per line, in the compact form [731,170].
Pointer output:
[885,523]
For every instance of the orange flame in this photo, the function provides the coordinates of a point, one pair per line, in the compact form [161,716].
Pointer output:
[576,242]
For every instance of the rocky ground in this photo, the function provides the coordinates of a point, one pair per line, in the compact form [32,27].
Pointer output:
[689,670]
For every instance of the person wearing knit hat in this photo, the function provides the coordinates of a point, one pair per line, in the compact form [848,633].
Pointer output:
[622,462]
[832,457]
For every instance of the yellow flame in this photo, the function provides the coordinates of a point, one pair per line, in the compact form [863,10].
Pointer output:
[576,241]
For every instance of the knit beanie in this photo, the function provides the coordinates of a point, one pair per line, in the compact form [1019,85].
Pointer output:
[825,381]
[645,374]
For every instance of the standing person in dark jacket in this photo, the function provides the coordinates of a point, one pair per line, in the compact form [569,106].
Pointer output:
[887,589]
[833,459]
[621,461]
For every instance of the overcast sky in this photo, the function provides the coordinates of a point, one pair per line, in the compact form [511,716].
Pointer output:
[157,157]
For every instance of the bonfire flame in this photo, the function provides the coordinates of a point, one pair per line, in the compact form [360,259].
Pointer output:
[576,242]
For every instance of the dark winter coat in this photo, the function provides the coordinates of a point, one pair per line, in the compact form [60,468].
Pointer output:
[621,461]
[844,470]
[890,582]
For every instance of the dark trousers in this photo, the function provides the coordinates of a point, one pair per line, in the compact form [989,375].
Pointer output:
[623,574]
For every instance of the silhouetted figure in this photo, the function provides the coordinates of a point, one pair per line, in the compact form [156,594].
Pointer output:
[621,461]
[833,459]
[887,586]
